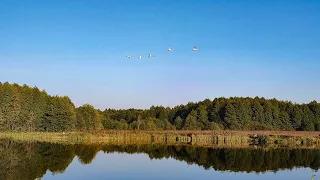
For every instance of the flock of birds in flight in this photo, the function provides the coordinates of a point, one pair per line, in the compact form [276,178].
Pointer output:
[169,49]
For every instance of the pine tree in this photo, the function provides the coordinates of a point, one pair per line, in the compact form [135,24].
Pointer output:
[297,118]
[214,114]
[202,116]
[230,116]
[257,111]
[315,108]
[178,122]
[268,117]
[307,123]
[191,121]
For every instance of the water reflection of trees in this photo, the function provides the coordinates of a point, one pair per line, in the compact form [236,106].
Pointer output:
[247,160]
[30,160]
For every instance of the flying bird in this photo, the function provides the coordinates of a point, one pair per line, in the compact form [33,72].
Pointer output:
[195,48]
[128,57]
[140,57]
[169,49]
[150,56]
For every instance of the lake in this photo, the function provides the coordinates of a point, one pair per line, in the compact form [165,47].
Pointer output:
[50,161]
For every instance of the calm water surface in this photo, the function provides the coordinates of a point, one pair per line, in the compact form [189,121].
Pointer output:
[21,160]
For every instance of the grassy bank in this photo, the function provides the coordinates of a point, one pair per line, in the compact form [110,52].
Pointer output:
[196,138]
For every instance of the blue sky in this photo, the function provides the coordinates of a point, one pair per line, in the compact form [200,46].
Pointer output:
[78,48]
[120,166]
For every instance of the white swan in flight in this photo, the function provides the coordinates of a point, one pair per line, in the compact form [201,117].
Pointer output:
[140,57]
[128,57]
[195,48]
[170,49]
[150,56]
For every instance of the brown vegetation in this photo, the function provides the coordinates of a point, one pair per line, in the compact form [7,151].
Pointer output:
[216,132]
[194,138]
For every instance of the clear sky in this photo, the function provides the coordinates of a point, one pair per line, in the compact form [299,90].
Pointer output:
[139,166]
[78,48]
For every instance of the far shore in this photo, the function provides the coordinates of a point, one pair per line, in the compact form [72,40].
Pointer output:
[226,138]
[215,132]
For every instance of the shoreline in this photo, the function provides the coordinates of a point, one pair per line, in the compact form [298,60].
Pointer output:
[213,132]
[289,139]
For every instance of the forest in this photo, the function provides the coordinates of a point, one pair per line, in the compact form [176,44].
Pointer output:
[28,109]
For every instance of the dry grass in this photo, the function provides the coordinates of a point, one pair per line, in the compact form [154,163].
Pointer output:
[196,138]
[216,132]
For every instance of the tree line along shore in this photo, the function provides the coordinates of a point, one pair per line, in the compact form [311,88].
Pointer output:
[29,109]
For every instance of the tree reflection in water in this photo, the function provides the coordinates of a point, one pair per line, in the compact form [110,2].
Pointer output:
[30,160]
